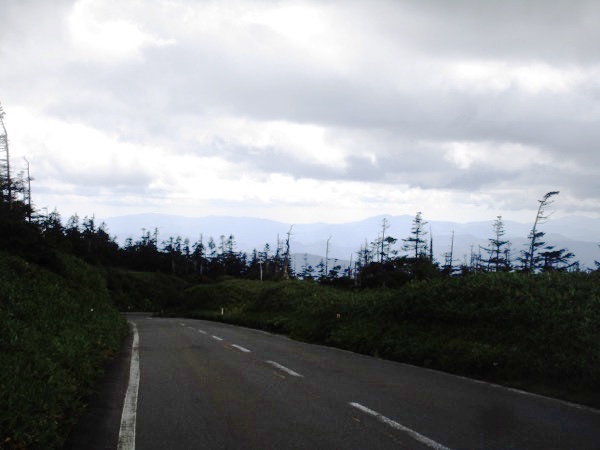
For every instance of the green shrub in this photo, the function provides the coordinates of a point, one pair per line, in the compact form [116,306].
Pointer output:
[144,291]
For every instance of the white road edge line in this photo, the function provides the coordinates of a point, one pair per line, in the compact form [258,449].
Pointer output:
[240,348]
[217,338]
[284,369]
[392,423]
[128,416]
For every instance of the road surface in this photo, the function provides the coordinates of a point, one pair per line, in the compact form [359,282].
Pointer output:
[216,386]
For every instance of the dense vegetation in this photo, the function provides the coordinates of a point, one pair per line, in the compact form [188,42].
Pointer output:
[57,328]
[529,319]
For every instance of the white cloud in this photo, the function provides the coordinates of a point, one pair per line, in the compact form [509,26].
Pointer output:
[532,78]
[108,39]
[73,154]
[309,31]
[305,142]
[502,156]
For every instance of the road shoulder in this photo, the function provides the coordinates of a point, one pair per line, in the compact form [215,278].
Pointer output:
[98,427]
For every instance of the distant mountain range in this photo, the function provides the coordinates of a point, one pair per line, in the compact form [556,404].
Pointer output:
[580,235]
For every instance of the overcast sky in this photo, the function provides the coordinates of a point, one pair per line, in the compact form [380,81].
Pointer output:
[305,111]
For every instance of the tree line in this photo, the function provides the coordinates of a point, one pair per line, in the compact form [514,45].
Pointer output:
[378,263]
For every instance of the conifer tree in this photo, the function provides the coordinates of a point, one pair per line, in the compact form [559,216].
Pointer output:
[497,257]
[416,244]
[199,256]
[531,258]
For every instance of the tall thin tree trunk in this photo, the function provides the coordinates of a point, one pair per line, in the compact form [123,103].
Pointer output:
[286,259]
[5,147]
[327,257]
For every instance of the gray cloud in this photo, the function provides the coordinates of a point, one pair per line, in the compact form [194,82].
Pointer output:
[394,108]
[559,31]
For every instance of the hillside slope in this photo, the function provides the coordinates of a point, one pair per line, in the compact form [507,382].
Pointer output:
[57,327]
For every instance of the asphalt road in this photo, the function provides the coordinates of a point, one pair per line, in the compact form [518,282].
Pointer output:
[206,385]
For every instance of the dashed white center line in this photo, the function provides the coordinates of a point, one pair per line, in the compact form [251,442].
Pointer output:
[202,331]
[240,348]
[392,423]
[217,338]
[284,369]
[182,324]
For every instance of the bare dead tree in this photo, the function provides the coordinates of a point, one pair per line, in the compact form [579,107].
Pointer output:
[5,178]
[385,224]
[430,244]
[327,256]
[450,256]
[28,191]
[286,258]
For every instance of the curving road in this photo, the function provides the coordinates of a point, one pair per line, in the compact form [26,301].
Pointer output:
[216,386]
